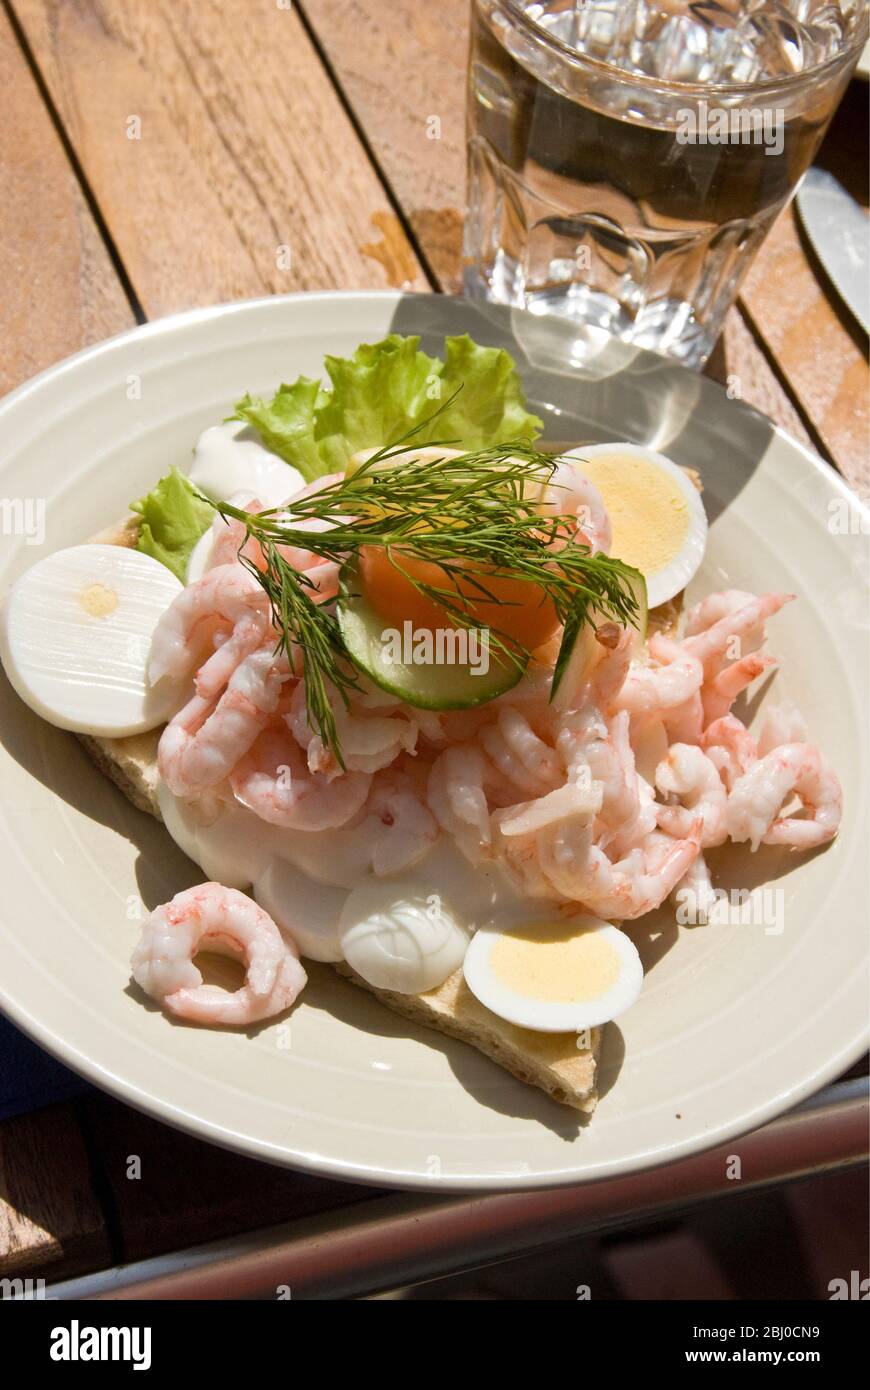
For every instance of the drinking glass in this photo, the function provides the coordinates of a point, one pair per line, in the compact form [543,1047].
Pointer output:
[626,158]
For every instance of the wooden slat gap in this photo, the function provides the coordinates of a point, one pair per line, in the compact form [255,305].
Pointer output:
[368,149]
[758,338]
[68,148]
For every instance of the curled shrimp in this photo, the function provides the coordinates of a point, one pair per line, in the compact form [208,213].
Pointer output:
[568,493]
[603,753]
[744,625]
[202,744]
[227,922]
[369,741]
[457,796]
[675,679]
[695,893]
[273,781]
[580,871]
[229,595]
[756,799]
[715,607]
[730,747]
[516,751]
[719,693]
[689,776]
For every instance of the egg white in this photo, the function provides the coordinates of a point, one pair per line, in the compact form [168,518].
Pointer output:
[545,1016]
[75,639]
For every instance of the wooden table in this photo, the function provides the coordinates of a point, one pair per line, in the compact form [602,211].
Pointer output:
[159,154]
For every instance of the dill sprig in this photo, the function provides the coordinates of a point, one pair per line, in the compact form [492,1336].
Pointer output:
[476,515]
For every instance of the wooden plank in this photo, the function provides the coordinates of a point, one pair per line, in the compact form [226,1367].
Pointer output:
[51,1224]
[218,151]
[820,350]
[814,346]
[373,48]
[402,68]
[739,364]
[172,1191]
[60,291]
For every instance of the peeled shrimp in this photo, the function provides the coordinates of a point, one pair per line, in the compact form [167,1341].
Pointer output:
[568,493]
[636,884]
[688,775]
[517,752]
[202,744]
[605,755]
[231,537]
[730,747]
[273,781]
[530,817]
[609,673]
[457,797]
[636,810]
[743,625]
[650,689]
[225,921]
[229,594]
[369,742]
[793,769]
[684,723]
[714,607]
[695,892]
[719,694]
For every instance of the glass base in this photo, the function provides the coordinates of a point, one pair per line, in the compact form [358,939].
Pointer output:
[668,326]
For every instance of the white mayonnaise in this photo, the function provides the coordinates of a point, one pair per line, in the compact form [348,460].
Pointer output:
[319,888]
[232,458]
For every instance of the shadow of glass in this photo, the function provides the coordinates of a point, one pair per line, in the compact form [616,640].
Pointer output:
[632,395]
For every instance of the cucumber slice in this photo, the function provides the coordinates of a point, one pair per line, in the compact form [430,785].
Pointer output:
[431,685]
[582,653]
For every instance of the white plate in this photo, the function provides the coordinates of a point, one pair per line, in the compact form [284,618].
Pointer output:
[733,1026]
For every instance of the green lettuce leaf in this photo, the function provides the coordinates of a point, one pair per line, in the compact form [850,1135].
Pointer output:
[386,389]
[173,519]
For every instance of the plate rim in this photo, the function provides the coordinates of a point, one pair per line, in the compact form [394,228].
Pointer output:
[204,1129]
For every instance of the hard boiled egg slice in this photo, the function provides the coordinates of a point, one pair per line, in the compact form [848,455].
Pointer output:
[658,519]
[75,639]
[232,458]
[398,937]
[554,975]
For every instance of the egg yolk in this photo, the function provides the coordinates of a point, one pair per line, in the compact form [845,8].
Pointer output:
[648,513]
[516,609]
[555,963]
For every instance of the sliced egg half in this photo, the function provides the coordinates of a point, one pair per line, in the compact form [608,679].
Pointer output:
[75,639]
[397,937]
[658,519]
[555,975]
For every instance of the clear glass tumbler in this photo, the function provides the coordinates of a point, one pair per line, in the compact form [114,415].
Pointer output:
[626,158]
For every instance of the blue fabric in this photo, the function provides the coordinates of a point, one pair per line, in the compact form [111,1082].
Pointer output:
[29,1077]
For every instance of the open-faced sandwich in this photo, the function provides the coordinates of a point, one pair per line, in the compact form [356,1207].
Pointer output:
[421,701]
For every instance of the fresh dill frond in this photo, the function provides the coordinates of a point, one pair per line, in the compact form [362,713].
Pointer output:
[476,516]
